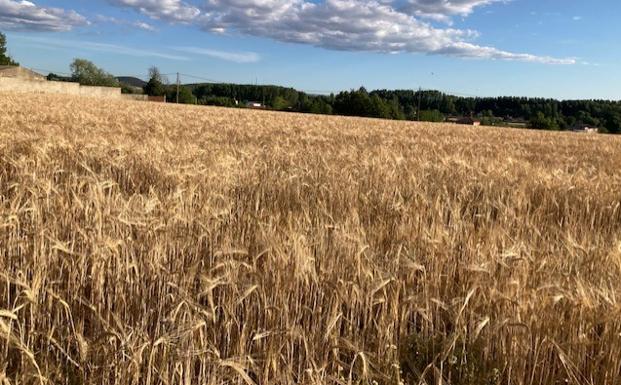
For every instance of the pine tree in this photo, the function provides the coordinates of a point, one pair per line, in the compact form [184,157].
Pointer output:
[5,60]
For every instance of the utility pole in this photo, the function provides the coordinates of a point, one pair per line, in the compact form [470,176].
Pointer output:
[178,84]
[419,97]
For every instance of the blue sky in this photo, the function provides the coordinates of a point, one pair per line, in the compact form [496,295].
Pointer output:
[566,49]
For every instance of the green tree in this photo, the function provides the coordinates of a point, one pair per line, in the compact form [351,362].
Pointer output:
[57,78]
[280,103]
[542,122]
[88,74]
[613,122]
[431,116]
[220,101]
[320,106]
[155,73]
[5,59]
[185,95]
[154,88]
[379,109]
[155,85]
[395,110]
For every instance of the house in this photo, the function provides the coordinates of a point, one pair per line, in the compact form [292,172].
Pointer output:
[469,121]
[516,123]
[585,129]
[19,73]
[254,105]
[157,99]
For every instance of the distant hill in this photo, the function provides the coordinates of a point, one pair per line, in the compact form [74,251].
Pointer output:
[131,81]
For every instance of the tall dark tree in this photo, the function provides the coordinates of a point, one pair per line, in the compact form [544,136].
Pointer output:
[5,59]
[155,86]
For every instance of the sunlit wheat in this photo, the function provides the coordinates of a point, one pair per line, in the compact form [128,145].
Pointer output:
[161,244]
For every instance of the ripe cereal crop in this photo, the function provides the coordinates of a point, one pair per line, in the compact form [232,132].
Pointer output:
[143,243]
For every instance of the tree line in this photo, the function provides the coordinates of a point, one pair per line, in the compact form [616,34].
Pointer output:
[434,106]
[5,59]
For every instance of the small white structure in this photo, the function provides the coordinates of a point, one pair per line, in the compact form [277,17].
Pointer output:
[254,105]
[585,129]
[469,121]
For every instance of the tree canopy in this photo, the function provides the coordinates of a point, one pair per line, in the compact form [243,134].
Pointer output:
[538,113]
[88,74]
[5,59]
[155,85]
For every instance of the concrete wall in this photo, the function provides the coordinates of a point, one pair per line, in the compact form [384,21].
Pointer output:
[140,97]
[19,72]
[49,87]
[101,92]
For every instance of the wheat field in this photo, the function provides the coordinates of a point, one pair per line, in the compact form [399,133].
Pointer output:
[161,244]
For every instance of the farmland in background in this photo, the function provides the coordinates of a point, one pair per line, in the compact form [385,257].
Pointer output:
[163,244]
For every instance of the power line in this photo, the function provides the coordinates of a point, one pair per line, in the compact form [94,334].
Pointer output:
[49,71]
[209,80]
[178,84]
[202,78]
[317,92]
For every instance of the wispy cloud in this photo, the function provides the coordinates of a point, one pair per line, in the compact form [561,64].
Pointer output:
[236,57]
[127,23]
[101,47]
[444,10]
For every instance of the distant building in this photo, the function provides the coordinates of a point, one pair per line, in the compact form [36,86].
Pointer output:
[157,99]
[469,121]
[254,105]
[585,129]
[19,73]
[516,123]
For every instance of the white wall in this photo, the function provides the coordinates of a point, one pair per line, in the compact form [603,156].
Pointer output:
[50,87]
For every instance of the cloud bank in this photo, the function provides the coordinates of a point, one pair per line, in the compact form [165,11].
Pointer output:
[386,26]
[444,10]
[170,10]
[25,15]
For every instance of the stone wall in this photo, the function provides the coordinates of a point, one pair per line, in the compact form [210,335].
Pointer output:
[9,84]
[139,97]
[19,72]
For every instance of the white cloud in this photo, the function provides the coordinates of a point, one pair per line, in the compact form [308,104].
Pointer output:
[121,22]
[169,10]
[144,26]
[444,10]
[467,50]
[25,15]
[236,57]
[389,26]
